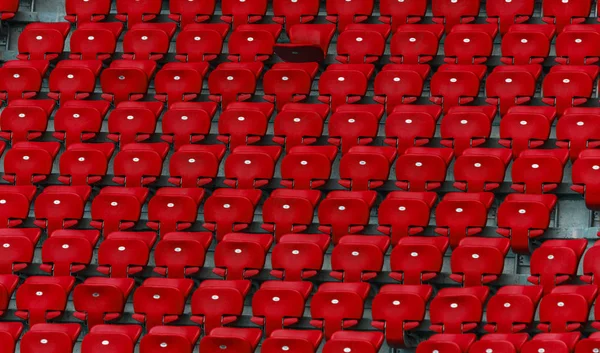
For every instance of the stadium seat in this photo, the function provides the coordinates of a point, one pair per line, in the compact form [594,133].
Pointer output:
[237,12]
[10,334]
[187,122]
[249,167]
[59,207]
[469,43]
[175,338]
[133,121]
[159,301]
[296,340]
[512,308]
[345,212]
[459,215]
[568,86]
[25,120]
[344,83]
[288,14]
[116,208]
[28,163]
[186,12]
[398,14]
[244,123]
[82,11]
[574,45]
[180,254]
[362,341]
[525,127]
[79,121]
[148,41]
[343,14]
[481,169]
[415,260]
[252,42]
[241,255]
[399,84]
[68,251]
[119,338]
[308,42]
[590,268]
[411,125]
[15,201]
[21,79]
[122,254]
[511,85]
[43,41]
[403,214]
[139,164]
[576,130]
[358,258]
[8,10]
[538,171]
[18,246]
[566,308]
[366,167]
[560,14]
[179,82]
[453,84]
[307,167]
[478,261]
[447,342]
[231,340]
[525,44]
[554,342]
[362,43]
[85,163]
[195,165]
[98,300]
[500,342]
[126,80]
[8,284]
[451,13]
[73,79]
[140,11]
[306,257]
[230,210]
[465,127]
[233,82]
[288,82]
[410,174]
[289,211]
[587,344]
[506,14]
[415,44]
[457,310]
[174,209]
[49,338]
[354,124]
[210,37]
[584,178]
[94,41]
[40,298]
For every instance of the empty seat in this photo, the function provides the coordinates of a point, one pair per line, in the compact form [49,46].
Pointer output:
[49,338]
[308,42]
[411,125]
[358,258]
[81,11]
[8,284]
[241,255]
[40,299]
[289,211]
[173,209]
[216,303]
[457,310]
[344,83]
[338,306]
[422,168]
[249,167]
[232,82]
[68,251]
[180,254]
[523,217]
[73,79]
[402,214]
[120,338]
[230,210]
[148,41]
[253,42]
[244,123]
[179,82]
[448,342]
[525,127]
[94,41]
[8,10]
[28,163]
[278,304]
[451,13]
[307,167]
[300,340]
[85,163]
[478,261]
[587,344]
[584,177]
[200,42]
[59,207]
[345,212]
[343,14]
[288,14]
[590,267]
[398,13]
[459,215]
[195,165]
[465,127]
[469,44]
[362,43]
[140,11]
[42,41]
[351,125]
[549,273]
[187,122]
[555,342]
[297,257]
[126,80]
[368,342]
[79,121]
[122,254]
[229,339]
[139,164]
[568,86]
[415,44]
[538,171]
[481,169]
[21,79]
[415,260]
[506,14]
[18,246]
[512,309]
[511,85]
[10,332]
[187,12]
[24,120]
[566,308]
[238,13]
[526,44]
[560,14]
[98,300]
[577,130]
[117,208]
[366,167]
[288,82]
[574,45]
[133,121]
[178,338]
[399,84]
[453,84]
[159,301]
[14,208]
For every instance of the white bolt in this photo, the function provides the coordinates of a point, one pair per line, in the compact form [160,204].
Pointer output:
[355,253]
[535,166]
[191,160]
[6,245]
[522,211]
[578,40]
[419,164]
[21,115]
[276,299]
[523,122]
[341,208]
[401,208]
[43,341]
[295,252]
[215,297]
[359,39]
[247,161]
[135,159]
[91,38]
[241,118]
[184,117]
[459,210]
[334,301]
[362,162]
[396,302]
[170,205]
[414,254]
[113,203]
[296,120]
[341,79]
[303,162]
[454,305]
[464,122]
[39,294]
[65,246]
[508,80]
[156,296]
[524,41]
[477,165]
[286,207]
[412,40]
[466,40]
[507,305]
[25,158]
[105,343]
[177,78]
[130,117]
[238,251]
[121,248]
[177,249]
[38,37]
[475,256]
[229,78]
[56,202]
[81,159]
[453,80]
[70,76]
[396,79]
[580,123]
[550,257]
[596,167]
[197,38]
[226,205]
[285,78]
[76,116]
[144,37]
[560,304]
[566,80]
[250,39]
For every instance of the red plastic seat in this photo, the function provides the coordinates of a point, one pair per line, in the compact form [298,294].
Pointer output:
[500,342]
[288,82]
[59,207]
[278,304]
[119,338]
[159,301]
[49,338]
[8,10]
[307,167]
[398,13]
[41,298]
[549,273]
[415,44]
[402,214]
[14,204]
[82,11]
[526,44]
[289,14]
[122,254]
[362,341]
[457,310]
[43,41]
[200,42]
[177,82]
[566,308]
[511,85]
[187,122]
[126,80]
[512,308]
[552,342]
[358,258]
[148,41]
[24,120]
[306,257]
[67,251]
[343,14]
[174,209]
[231,340]
[344,83]
[28,163]
[230,210]
[411,125]
[354,124]
[94,41]
[465,127]
[177,338]
[588,344]
[21,79]
[451,13]
[8,284]
[116,208]
[133,121]
[399,308]
[567,86]
[249,167]
[216,303]
[138,11]
[85,163]
[481,169]
[78,121]
[241,255]
[98,300]
[73,79]
[362,43]
[181,254]
[415,260]
[506,14]
[253,42]
[338,306]
[244,123]
[307,341]
[366,167]
[195,165]
[469,43]
[422,168]
[238,12]
[574,45]
[399,84]
[345,212]
[186,12]
[289,211]
[453,85]
[525,127]
[233,82]
[576,130]
[10,331]
[560,13]
[308,42]
[139,164]
[590,267]
[459,215]
[447,342]
[478,261]
[538,171]
[584,177]
[18,246]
